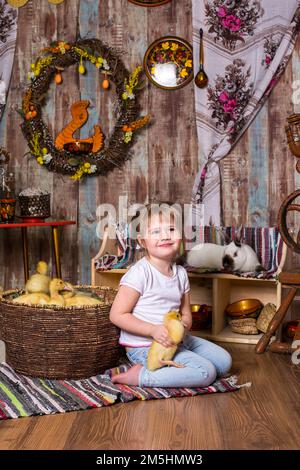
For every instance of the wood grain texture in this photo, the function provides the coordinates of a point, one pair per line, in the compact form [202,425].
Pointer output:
[262,416]
[257,174]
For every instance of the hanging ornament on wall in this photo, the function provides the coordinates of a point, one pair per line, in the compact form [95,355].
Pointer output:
[149,3]
[201,78]
[105,82]
[21,3]
[16,3]
[89,156]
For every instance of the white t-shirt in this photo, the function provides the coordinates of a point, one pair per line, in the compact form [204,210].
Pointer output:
[159,295]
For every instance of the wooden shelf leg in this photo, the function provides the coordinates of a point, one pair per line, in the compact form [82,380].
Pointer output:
[56,251]
[25,253]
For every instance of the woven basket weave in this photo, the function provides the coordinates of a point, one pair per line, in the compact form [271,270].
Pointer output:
[35,206]
[59,342]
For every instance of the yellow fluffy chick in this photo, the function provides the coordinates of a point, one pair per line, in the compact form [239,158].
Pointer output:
[159,355]
[38,282]
[39,298]
[81,300]
[56,287]
[69,291]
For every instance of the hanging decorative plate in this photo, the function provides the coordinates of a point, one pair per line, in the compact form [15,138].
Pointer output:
[149,3]
[21,3]
[168,62]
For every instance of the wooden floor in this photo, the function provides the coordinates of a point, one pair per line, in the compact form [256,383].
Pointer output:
[264,416]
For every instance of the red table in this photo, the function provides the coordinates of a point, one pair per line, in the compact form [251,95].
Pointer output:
[54,224]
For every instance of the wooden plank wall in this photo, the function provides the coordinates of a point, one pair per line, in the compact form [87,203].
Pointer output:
[257,174]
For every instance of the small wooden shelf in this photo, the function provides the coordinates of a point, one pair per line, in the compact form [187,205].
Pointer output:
[228,336]
[217,290]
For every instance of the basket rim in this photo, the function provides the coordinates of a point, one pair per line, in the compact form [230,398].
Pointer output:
[57,307]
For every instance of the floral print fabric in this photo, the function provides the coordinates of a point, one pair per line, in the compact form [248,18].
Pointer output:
[247,44]
[230,21]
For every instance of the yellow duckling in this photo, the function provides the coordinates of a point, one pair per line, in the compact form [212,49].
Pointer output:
[159,355]
[39,298]
[39,282]
[81,300]
[56,286]
[68,292]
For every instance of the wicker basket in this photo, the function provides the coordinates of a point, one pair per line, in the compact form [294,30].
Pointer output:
[35,206]
[59,342]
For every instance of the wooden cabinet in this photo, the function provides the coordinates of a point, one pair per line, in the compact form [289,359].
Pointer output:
[217,290]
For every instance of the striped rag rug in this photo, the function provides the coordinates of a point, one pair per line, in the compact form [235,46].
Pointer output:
[22,396]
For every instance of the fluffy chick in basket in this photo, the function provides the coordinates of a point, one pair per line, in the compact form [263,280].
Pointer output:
[81,300]
[39,298]
[159,355]
[40,281]
[74,299]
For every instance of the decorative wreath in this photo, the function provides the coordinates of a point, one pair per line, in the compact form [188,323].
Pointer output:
[48,66]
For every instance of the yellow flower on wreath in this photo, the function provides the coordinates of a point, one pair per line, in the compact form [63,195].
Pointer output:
[174,46]
[165,45]
[188,63]
[183,73]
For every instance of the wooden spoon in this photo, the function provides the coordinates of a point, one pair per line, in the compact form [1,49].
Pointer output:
[201,78]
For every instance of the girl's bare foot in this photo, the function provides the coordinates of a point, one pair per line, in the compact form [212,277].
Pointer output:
[130,377]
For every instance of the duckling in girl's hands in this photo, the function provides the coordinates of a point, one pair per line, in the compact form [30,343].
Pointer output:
[40,281]
[159,355]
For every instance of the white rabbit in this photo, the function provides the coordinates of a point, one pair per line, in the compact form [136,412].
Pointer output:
[236,256]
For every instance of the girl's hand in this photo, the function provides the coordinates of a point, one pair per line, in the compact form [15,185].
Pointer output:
[187,323]
[161,335]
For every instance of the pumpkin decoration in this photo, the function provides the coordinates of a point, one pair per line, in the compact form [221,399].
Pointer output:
[58,78]
[105,83]
[80,116]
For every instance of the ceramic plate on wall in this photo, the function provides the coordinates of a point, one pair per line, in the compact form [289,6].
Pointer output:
[149,3]
[168,62]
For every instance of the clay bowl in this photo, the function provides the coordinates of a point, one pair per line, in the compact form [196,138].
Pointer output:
[79,147]
[244,308]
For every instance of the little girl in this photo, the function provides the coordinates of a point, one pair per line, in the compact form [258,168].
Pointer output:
[151,288]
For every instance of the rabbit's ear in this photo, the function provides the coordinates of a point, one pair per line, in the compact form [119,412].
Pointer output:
[239,236]
[225,237]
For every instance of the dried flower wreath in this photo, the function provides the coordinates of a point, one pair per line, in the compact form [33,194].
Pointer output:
[48,66]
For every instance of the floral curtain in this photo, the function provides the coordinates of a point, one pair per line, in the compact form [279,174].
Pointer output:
[247,44]
[8,33]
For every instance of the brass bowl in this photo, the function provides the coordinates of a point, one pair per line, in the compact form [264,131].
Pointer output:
[195,308]
[78,147]
[243,307]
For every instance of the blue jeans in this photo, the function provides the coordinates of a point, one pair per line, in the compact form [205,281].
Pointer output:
[203,362]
